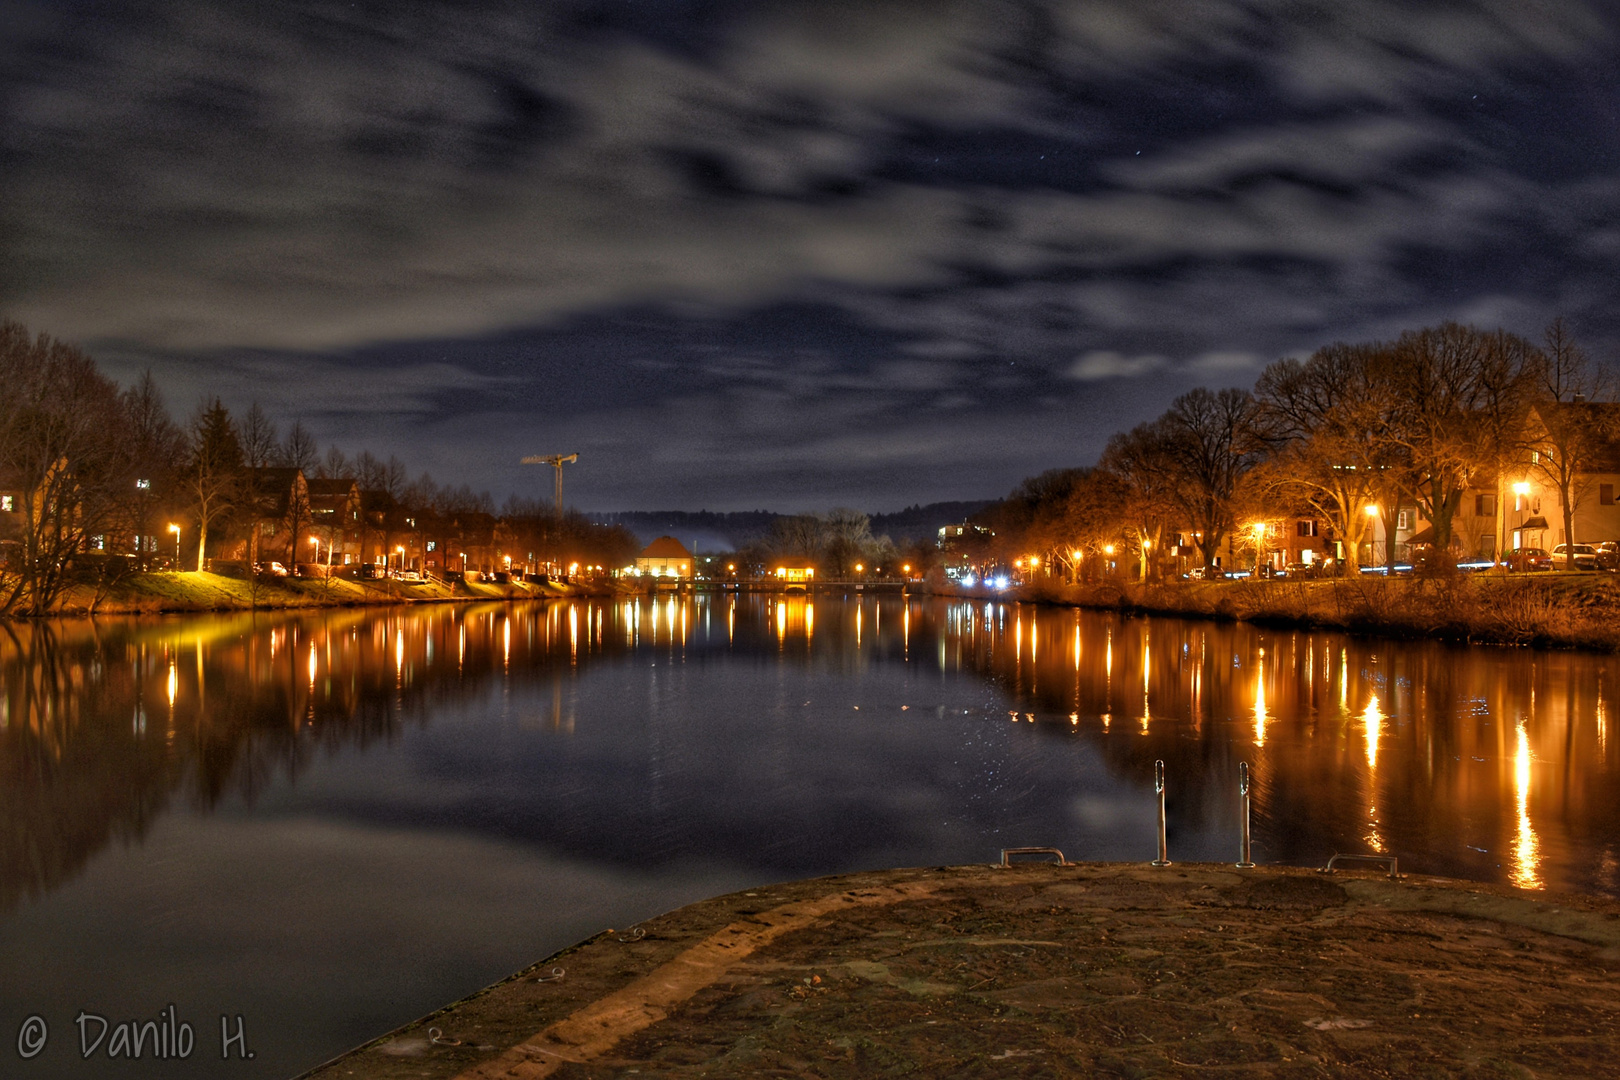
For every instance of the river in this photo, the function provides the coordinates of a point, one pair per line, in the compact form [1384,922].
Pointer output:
[319,826]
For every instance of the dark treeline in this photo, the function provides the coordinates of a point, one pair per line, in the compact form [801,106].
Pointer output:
[1345,438]
[89,471]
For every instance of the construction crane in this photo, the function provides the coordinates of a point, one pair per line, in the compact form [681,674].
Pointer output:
[556,461]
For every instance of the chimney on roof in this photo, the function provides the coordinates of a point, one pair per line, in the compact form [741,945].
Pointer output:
[1580,399]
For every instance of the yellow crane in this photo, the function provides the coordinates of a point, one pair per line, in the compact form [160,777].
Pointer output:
[556,461]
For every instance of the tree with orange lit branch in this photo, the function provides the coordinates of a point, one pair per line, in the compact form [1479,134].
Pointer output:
[1326,421]
[65,449]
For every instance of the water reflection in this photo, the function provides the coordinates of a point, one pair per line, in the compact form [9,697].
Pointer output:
[1483,763]
[1440,754]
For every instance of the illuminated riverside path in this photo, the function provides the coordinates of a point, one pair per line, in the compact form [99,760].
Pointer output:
[328,824]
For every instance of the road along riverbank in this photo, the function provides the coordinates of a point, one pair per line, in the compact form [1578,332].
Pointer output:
[1041,969]
[1549,610]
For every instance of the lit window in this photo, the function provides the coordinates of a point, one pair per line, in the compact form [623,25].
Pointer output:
[7,504]
[433,545]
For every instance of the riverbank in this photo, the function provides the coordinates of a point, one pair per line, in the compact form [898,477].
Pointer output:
[1079,970]
[1555,610]
[192,591]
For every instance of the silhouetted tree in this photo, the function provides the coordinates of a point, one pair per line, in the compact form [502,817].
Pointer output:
[214,469]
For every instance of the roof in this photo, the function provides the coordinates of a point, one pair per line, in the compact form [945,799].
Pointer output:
[1603,417]
[340,486]
[665,547]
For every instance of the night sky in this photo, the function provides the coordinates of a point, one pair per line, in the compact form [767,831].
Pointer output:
[787,255]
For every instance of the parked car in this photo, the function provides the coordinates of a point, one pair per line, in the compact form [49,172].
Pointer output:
[1301,570]
[1608,555]
[271,569]
[1584,556]
[413,577]
[1201,573]
[371,571]
[1528,559]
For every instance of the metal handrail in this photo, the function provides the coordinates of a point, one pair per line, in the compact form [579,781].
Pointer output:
[1393,863]
[1008,852]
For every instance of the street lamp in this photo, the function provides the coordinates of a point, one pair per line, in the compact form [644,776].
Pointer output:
[400,551]
[176,530]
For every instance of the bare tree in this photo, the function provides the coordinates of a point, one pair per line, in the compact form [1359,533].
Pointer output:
[261,446]
[298,450]
[157,457]
[64,439]
[1569,427]
[1460,393]
[261,450]
[335,464]
[1326,422]
[1209,443]
[1146,470]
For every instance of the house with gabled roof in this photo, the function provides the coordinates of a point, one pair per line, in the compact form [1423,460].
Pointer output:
[665,557]
[334,519]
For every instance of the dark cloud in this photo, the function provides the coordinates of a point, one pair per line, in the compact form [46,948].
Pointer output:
[788,252]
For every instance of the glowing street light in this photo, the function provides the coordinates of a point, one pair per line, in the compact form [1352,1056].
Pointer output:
[1372,510]
[176,530]
[1522,487]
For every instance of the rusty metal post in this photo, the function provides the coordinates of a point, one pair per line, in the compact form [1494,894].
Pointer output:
[1158,787]
[1244,861]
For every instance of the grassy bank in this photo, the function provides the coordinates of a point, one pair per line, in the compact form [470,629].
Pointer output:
[191,591]
[1580,610]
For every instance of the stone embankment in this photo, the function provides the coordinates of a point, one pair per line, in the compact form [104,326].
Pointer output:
[1559,610]
[1047,970]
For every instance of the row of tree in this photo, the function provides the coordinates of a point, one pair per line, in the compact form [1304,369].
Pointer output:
[1418,422]
[82,459]
[836,543]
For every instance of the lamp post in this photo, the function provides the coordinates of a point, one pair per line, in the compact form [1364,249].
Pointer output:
[1521,503]
[1372,521]
[176,530]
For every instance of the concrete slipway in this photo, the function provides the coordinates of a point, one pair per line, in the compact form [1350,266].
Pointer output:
[1045,970]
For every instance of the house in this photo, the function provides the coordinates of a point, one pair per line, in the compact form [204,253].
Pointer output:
[12,521]
[795,578]
[334,520]
[1284,542]
[275,511]
[664,557]
[1537,516]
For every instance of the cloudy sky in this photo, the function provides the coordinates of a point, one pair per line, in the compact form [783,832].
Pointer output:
[740,253]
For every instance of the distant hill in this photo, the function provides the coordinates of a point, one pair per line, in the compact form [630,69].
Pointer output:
[706,530]
[700,530]
[923,522]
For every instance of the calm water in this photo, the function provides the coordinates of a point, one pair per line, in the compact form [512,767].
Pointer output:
[329,824]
